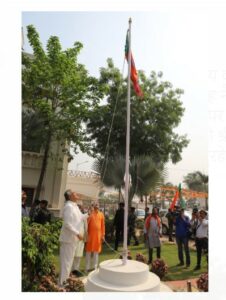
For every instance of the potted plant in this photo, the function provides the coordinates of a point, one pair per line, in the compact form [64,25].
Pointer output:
[159,267]
[140,257]
[203,282]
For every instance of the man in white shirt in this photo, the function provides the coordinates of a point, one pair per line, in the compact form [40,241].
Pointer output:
[201,240]
[69,236]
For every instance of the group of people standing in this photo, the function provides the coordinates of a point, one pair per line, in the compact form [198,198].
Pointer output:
[38,212]
[184,228]
[86,230]
[80,230]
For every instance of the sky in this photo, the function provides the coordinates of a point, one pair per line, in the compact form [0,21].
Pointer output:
[168,41]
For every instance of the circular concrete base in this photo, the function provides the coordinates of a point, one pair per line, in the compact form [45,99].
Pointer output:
[113,276]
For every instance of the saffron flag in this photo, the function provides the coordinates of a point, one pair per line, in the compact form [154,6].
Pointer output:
[133,71]
[176,197]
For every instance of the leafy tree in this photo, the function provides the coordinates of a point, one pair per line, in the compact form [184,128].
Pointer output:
[197,181]
[153,119]
[145,174]
[59,91]
[32,131]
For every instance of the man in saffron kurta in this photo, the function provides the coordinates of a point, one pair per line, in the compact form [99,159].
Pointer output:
[96,233]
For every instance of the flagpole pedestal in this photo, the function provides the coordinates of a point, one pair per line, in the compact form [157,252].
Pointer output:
[114,276]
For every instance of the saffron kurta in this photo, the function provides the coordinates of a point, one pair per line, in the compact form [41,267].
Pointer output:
[96,231]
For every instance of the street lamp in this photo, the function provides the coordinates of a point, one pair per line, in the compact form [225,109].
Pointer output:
[78,164]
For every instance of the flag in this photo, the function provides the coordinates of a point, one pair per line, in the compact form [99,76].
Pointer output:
[133,71]
[176,197]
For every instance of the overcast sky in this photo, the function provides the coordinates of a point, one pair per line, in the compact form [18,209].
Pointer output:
[171,42]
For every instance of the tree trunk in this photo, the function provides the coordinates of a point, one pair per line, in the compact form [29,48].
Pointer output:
[146,201]
[44,166]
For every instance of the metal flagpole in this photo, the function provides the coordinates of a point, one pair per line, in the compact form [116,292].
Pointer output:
[125,250]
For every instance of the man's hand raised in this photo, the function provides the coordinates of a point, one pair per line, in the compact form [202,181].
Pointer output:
[80,237]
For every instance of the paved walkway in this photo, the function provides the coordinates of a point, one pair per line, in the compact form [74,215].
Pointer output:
[181,285]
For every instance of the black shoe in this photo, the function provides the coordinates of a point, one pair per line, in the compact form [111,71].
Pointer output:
[136,243]
[149,262]
[76,273]
[180,264]
[187,266]
[197,268]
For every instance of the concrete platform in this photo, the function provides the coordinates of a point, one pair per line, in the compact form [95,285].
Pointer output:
[113,276]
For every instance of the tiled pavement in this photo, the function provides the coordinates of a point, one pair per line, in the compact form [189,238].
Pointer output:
[181,285]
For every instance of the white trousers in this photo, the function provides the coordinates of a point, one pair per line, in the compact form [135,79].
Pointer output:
[95,260]
[67,252]
[76,263]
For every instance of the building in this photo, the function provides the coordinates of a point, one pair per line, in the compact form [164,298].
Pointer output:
[86,184]
[54,183]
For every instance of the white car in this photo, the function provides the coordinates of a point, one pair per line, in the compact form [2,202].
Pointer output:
[140,213]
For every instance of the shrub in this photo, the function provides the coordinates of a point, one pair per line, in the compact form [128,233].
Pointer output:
[49,284]
[39,242]
[159,267]
[74,284]
[140,257]
[203,282]
[129,256]
[139,224]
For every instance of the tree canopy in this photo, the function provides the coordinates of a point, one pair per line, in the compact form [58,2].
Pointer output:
[153,119]
[197,181]
[145,174]
[59,90]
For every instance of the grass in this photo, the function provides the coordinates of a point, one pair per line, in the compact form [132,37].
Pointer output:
[168,253]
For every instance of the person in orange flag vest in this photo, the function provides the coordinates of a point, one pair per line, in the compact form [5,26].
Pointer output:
[96,233]
[153,231]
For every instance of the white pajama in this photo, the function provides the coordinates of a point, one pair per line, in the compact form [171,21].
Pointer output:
[67,251]
[95,260]
[76,263]
[72,220]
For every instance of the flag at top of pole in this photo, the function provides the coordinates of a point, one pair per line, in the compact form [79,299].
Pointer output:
[133,71]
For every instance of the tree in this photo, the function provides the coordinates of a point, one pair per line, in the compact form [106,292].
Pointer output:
[32,131]
[197,181]
[153,119]
[57,89]
[145,174]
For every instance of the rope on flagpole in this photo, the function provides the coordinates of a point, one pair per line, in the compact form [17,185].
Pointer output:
[105,162]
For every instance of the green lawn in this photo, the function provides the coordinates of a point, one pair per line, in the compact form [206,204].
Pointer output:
[168,253]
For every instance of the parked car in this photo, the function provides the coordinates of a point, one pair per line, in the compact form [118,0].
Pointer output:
[165,226]
[140,213]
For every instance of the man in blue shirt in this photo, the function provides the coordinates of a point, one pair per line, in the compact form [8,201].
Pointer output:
[182,223]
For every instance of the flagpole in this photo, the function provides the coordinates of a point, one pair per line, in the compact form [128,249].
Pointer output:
[125,249]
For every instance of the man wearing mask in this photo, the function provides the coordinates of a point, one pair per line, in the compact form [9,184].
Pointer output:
[70,234]
[182,223]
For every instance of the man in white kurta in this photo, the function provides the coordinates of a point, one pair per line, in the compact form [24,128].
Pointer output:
[70,234]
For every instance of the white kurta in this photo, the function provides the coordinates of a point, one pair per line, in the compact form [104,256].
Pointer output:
[80,245]
[72,220]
